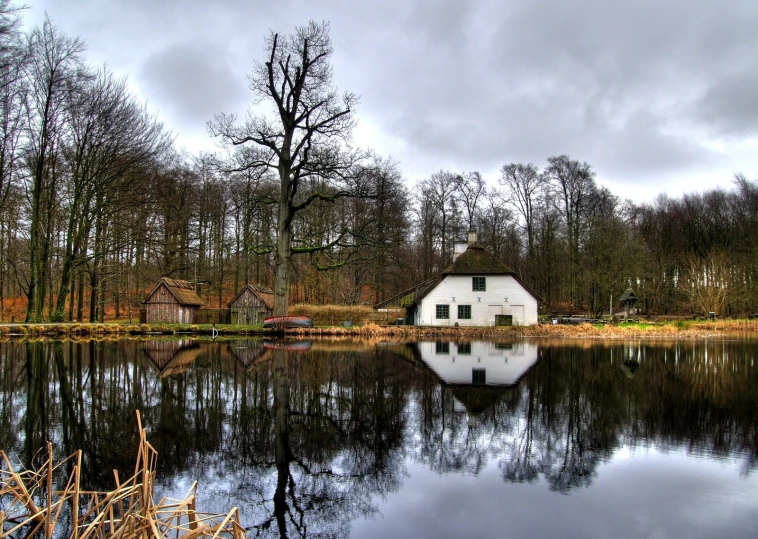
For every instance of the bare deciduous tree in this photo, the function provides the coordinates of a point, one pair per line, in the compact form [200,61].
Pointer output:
[575,195]
[306,137]
[471,188]
[53,70]
[524,184]
[111,136]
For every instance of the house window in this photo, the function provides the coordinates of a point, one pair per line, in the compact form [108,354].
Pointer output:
[441,347]
[464,348]
[479,284]
[478,377]
[442,312]
[464,312]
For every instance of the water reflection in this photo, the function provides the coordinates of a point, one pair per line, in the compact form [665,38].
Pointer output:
[308,436]
[172,356]
[478,363]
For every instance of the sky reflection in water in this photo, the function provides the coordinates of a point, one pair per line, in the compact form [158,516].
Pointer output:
[648,495]
[435,439]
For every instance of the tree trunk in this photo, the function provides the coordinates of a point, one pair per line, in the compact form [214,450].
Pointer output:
[34,248]
[282,260]
[80,300]
[74,239]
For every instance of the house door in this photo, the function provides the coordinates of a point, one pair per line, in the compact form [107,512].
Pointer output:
[493,310]
[518,315]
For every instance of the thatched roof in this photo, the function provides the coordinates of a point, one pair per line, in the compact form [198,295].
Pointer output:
[183,291]
[265,294]
[476,260]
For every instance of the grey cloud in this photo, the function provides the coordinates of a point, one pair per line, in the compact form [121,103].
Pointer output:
[614,84]
[730,105]
[642,149]
[638,89]
[192,82]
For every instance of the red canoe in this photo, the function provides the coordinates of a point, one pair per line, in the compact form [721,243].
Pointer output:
[284,322]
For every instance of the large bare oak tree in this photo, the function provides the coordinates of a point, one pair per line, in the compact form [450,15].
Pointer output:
[304,135]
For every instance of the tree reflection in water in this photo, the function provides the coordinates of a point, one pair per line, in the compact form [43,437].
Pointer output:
[579,404]
[305,442]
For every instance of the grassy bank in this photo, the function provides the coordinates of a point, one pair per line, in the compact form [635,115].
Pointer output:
[122,329]
[684,329]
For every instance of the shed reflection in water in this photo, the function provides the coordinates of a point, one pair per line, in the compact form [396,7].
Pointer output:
[306,439]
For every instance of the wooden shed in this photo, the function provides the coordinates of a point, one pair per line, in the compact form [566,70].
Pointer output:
[253,303]
[172,302]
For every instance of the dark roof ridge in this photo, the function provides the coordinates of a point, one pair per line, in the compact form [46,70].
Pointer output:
[476,260]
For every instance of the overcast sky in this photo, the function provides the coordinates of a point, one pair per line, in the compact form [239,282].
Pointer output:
[657,96]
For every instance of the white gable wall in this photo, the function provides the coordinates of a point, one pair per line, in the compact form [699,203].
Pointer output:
[503,295]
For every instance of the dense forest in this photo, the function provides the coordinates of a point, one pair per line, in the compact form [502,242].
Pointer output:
[96,203]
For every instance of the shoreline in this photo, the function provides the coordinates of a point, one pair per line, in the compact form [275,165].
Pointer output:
[694,329]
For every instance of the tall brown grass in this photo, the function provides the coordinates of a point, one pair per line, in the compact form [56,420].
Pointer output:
[32,508]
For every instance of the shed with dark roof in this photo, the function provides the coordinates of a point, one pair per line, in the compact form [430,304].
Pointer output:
[251,305]
[172,301]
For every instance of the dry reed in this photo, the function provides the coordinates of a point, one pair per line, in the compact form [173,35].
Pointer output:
[32,507]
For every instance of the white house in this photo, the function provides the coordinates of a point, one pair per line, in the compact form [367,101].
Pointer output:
[473,291]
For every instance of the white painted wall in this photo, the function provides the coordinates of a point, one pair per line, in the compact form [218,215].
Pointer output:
[502,290]
[503,366]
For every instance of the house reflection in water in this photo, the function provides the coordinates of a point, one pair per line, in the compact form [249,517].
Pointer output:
[478,363]
[477,372]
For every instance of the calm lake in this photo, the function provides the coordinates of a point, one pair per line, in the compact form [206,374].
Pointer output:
[340,438]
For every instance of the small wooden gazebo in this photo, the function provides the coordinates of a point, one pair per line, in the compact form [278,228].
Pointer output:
[251,305]
[629,301]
